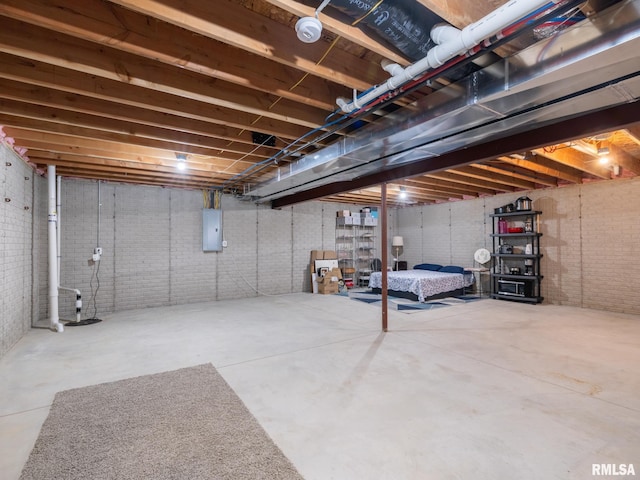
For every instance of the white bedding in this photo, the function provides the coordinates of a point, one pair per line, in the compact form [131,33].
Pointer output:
[422,283]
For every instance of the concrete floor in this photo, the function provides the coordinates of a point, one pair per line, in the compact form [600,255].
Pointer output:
[483,390]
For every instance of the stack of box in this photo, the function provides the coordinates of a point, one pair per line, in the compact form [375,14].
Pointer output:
[321,260]
[364,217]
[344,218]
[330,282]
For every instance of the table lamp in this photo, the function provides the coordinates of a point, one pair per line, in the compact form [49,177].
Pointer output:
[397,243]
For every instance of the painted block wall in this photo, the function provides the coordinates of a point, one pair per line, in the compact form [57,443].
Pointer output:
[590,241]
[152,248]
[16,229]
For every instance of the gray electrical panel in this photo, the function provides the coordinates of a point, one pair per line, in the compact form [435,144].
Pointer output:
[211,230]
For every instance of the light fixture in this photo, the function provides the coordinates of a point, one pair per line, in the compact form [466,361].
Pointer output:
[403,193]
[603,152]
[397,243]
[310,28]
[182,162]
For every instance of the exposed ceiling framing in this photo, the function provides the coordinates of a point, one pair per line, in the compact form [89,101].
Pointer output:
[113,90]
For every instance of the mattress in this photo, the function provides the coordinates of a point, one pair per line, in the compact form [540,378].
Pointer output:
[422,283]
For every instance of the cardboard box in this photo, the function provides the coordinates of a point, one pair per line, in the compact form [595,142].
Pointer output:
[347,221]
[329,255]
[343,213]
[316,255]
[328,288]
[330,283]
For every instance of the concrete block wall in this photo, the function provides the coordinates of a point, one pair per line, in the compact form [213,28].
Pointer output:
[590,241]
[152,248]
[611,250]
[16,231]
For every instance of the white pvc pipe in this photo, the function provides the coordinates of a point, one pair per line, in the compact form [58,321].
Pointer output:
[58,209]
[54,320]
[452,46]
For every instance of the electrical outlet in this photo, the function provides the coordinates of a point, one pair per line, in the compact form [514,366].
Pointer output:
[224,244]
[96,257]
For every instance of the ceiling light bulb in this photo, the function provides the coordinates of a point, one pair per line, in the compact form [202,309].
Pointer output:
[182,166]
[603,160]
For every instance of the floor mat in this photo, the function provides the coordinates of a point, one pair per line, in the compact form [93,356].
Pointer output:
[411,306]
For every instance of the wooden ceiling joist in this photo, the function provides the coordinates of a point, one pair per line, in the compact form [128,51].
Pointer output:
[127,84]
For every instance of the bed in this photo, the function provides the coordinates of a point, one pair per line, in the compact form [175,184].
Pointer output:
[424,284]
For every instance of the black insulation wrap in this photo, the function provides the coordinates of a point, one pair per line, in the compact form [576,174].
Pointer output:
[404,24]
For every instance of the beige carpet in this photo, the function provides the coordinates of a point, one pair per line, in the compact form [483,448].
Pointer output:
[184,424]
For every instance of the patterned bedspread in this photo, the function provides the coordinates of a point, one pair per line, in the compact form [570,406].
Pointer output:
[423,283]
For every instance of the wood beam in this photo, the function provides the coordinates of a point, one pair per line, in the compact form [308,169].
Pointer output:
[353,34]
[122,126]
[83,165]
[37,44]
[27,136]
[111,25]
[546,167]
[501,178]
[634,132]
[180,110]
[626,161]
[575,159]
[105,157]
[517,172]
[447,186]
[461,177]
[38,126]
[235,25]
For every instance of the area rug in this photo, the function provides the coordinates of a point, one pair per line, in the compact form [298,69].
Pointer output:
[410,306]
[183,424]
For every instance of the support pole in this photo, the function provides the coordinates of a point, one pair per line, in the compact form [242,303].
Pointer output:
[383,240]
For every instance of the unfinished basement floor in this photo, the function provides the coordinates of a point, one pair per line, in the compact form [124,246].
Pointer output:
[482,390]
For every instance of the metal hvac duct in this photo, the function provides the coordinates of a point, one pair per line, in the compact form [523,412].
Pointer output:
[587,67]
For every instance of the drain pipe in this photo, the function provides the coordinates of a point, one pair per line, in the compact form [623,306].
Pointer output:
[54,320]
[451,43]
[58,230]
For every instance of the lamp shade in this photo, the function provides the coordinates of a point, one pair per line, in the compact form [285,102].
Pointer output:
[397,242]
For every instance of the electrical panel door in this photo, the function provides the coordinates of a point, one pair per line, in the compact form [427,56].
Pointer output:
[211,230]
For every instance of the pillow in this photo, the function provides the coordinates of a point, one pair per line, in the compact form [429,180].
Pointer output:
[451,269]
[427,266]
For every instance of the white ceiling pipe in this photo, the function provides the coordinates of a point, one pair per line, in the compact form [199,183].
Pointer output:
[54,320]
[443,32]
[453,46]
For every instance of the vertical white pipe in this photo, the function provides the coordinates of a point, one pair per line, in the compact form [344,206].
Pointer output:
[58,209]
[54,320]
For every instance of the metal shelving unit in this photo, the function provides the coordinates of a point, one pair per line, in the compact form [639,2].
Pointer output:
[516,273]
[355,248]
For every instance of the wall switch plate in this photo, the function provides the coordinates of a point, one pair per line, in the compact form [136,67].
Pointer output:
[224,243]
